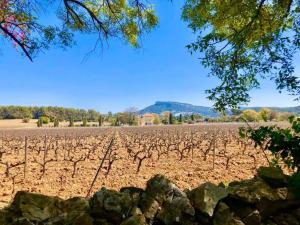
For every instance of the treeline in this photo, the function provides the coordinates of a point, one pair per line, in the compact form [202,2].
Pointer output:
[250,115]
[130,116]
[52,112]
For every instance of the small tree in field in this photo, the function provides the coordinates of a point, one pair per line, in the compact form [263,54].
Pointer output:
[180,118]
[265,114]
[26,120]
[71,122]
[39,122]
[192,117]
[117,121]
[45,119]
[156,120]
[56,122]
[250,115]
[100,120]
[84,122]
[171,119]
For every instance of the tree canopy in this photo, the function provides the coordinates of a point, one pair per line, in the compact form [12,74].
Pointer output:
[243,41]
[21,24]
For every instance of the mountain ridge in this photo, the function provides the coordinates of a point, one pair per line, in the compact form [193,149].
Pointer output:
[186,108]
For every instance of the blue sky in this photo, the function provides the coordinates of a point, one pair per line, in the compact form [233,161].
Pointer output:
[119,76]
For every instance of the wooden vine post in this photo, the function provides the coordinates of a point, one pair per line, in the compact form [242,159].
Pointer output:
[100,166]
[25,156]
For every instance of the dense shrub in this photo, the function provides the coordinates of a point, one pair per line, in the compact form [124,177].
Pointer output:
[71,122]
[283,143]
[250,115]
[100,120]
[56,122]
[45,119]
[26,120]
[84,122]
[40,122]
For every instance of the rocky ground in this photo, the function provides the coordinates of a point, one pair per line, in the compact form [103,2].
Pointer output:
[264,199]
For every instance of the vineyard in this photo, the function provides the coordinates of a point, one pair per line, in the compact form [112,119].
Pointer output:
[78,161]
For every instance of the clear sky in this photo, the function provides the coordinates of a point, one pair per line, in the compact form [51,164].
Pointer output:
[119,76]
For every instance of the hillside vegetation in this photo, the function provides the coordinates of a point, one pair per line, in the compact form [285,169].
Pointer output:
[183,108]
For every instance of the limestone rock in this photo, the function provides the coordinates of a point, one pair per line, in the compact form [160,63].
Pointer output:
[3,214]
[286,219]
[206,197]
[273,176]
[252,218]
[36,207]
[111,205]
[224,216]
[135,220]
[135,193]
[254,190]
[160,188]
[20,221]
[248,213]
[149,206]
[28,208]
[296,213]
[176,210]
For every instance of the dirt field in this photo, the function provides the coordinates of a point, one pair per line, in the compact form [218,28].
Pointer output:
[19,124]
[64,161]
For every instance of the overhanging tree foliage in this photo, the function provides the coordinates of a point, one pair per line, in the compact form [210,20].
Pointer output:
[20,22]
[243,41]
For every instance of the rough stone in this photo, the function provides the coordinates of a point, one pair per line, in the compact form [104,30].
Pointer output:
[3,214]
[135,193]
[149,206]
[247,212]
[36,208]
[176,211]
[253,218]
[286,219]
[254,190]
[273,176]
[224,216]
[111,205]
[135,220]
[296,213]
[160,188]
[206,197]
[248,202]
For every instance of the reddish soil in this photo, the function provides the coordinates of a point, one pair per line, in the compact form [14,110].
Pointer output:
[238,160]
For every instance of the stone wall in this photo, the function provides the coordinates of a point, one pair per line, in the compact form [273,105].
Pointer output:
[265,199]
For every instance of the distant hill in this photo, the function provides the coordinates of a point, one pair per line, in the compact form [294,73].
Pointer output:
[184,108]
[177,108]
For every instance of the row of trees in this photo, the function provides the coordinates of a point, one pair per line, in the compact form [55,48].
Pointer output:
[128,117]
[264,114]
[248,115]
[60,113]
[169,118]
